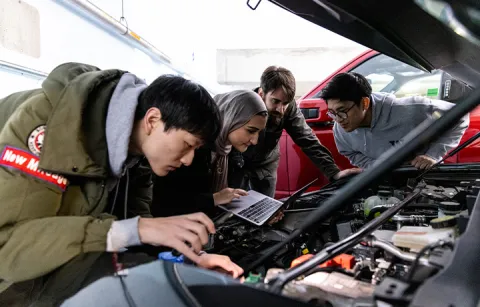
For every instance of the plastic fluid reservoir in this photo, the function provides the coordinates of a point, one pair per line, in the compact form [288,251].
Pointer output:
[449,208]
[383,198]
[417,237]
[445,223]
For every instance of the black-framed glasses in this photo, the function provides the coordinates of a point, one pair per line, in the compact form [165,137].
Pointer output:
[341,115]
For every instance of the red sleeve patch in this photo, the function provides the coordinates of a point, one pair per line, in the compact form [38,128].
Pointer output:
[28,163]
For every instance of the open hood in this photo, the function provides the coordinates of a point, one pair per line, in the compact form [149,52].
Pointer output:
[399,29]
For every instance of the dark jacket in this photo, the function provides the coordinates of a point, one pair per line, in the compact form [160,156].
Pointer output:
[262,159]
[185,190]
[46,223]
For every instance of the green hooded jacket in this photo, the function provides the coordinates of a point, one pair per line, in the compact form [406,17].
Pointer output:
[53,200]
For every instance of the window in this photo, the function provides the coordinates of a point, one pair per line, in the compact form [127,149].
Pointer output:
[389,75]
[379,81]
[423,86]
[392,76]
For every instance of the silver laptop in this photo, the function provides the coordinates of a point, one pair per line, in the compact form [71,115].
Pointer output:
[258,208]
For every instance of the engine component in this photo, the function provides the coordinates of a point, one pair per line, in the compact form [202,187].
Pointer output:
[328,289]
[392,291]
[344,230]
[439,193]
[390,248]
[381,271]
[390,253]
[300,259]
[340,284]
[414,219]
[382,199]
[344,261]
[445,222]
[449,208]
[415,238]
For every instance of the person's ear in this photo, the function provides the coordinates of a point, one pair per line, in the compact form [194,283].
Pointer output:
[366,103]
[151,120]
[261,93]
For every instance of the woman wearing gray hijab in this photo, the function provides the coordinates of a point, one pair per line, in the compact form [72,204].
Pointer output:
[244,115]
[203,185]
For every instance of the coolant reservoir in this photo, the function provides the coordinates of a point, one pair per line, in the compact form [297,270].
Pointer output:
[449,208]
[444,223]
[383,198]
[417,237]
[371,202]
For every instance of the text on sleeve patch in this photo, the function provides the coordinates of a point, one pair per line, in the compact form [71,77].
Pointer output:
[26,162]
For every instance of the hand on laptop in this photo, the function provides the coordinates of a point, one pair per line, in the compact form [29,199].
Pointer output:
[226,195]
[276,218]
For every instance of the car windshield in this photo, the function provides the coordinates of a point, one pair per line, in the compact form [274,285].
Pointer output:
[386,74]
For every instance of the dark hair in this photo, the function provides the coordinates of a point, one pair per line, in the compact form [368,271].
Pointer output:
[184,105]
[347,87]
[275,77]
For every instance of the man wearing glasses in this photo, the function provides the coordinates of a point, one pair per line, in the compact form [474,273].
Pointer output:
[368,124]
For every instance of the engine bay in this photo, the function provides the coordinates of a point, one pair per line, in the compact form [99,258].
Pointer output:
[387,264]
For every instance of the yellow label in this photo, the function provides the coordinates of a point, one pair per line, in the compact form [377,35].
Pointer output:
[135,35]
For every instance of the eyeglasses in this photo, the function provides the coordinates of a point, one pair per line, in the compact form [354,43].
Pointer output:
[341,115]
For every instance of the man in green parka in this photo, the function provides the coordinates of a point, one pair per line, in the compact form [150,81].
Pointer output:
[75,162]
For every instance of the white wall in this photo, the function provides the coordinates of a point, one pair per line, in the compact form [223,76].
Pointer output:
[65,37]
[308,65]
[62,37]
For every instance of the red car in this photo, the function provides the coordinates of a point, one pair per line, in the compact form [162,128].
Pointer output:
[387,75]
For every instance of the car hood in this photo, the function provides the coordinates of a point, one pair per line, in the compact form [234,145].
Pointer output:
[400,29]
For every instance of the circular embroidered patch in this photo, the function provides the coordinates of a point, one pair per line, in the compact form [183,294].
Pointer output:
[35,140]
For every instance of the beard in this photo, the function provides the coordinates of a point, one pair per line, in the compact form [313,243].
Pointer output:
[275,117]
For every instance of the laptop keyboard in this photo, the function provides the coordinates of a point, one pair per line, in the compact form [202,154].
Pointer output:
[261,210]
